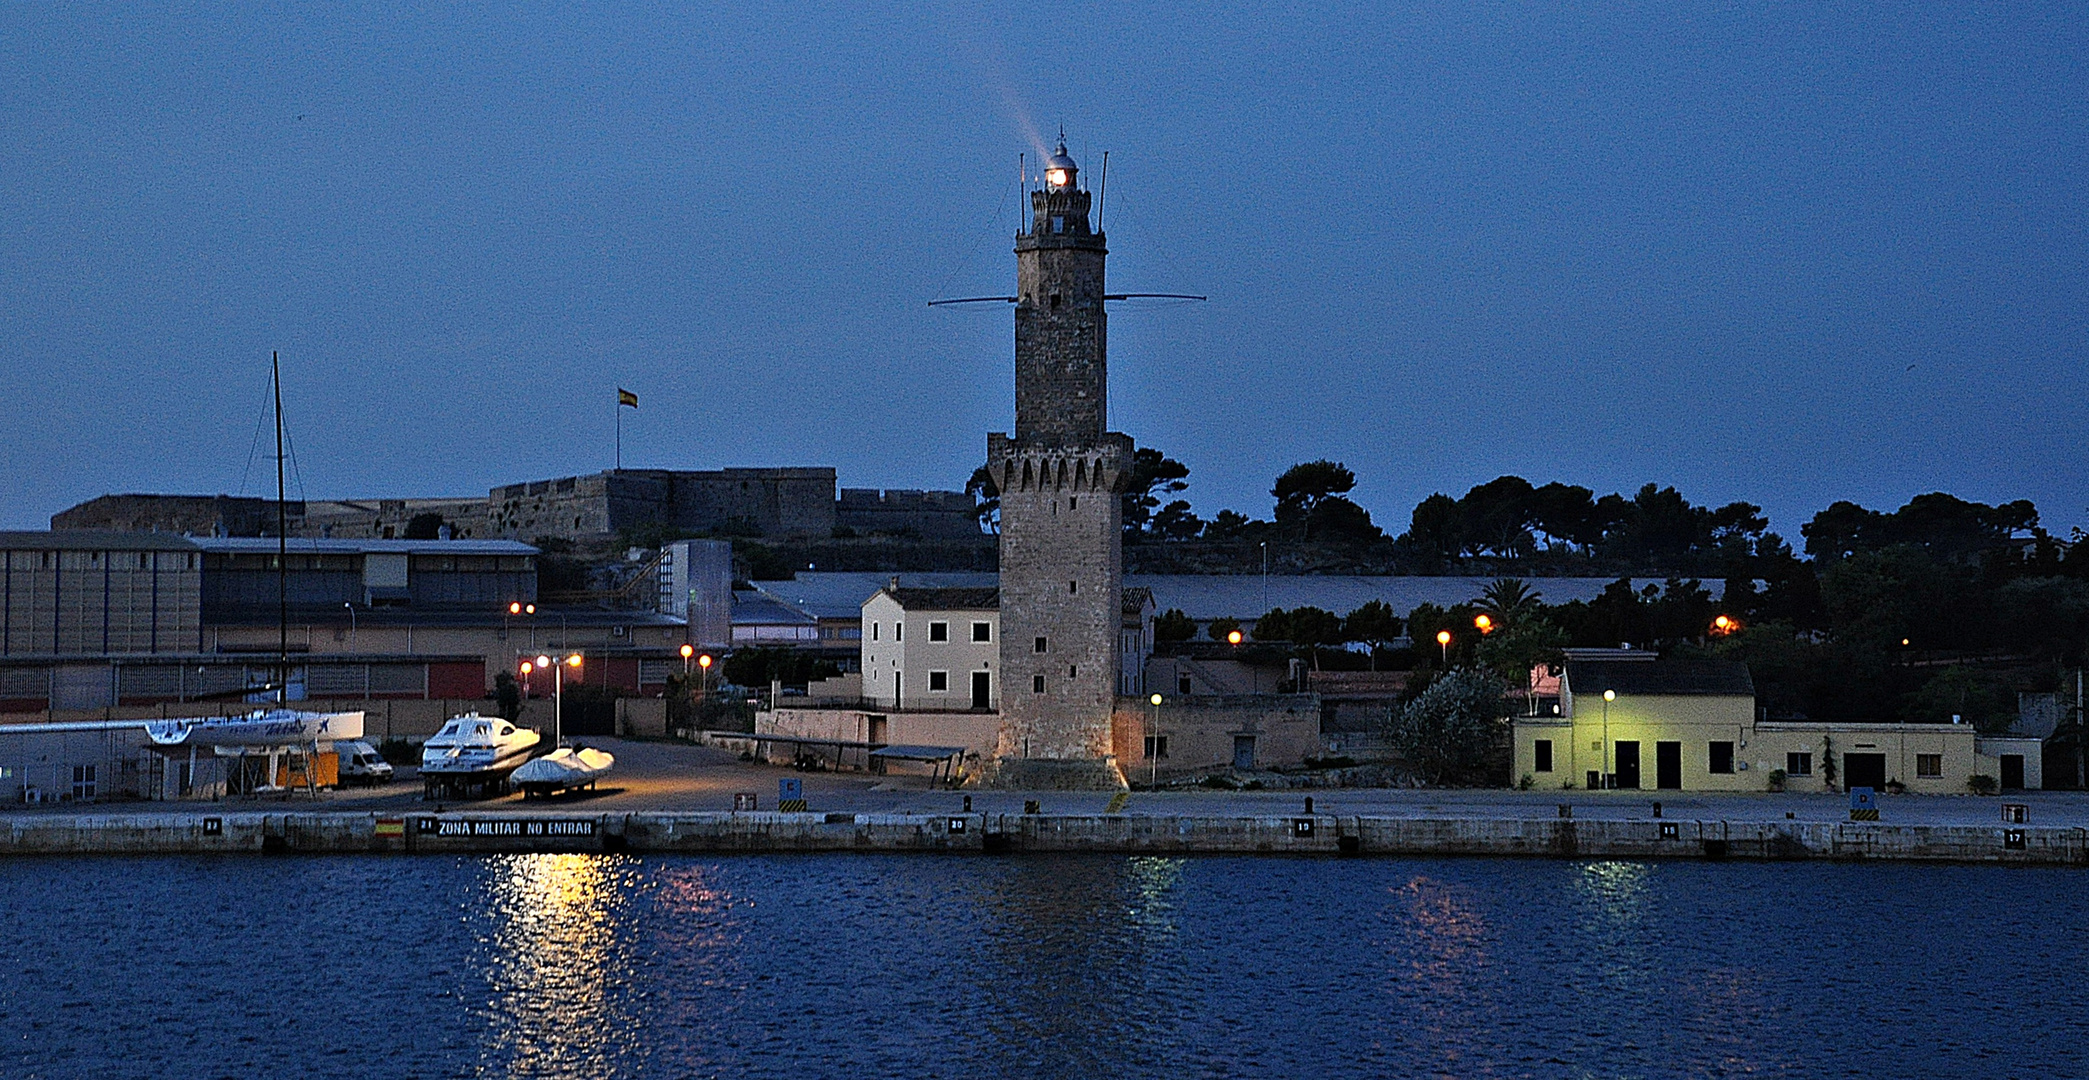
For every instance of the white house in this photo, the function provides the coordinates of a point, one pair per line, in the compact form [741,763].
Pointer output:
[932,650]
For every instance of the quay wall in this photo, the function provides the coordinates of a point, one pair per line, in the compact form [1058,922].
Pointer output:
[318,832]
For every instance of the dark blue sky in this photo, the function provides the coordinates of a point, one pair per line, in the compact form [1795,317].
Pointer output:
[1787,253]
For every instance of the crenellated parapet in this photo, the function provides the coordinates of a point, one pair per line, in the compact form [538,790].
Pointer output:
[1018,466]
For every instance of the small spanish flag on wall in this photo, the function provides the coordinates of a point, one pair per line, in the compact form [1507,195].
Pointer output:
[626,397]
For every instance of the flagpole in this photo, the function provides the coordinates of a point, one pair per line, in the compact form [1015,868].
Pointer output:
[620,430]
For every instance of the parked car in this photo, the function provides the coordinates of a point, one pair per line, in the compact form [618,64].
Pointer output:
[362,764]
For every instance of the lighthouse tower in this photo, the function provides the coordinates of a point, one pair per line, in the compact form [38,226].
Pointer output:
[1059,475]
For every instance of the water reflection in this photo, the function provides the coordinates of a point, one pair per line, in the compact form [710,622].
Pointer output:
[1077,957]
[550,944]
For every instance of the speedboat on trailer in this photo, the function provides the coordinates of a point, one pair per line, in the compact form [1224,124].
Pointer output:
[474,751]
[563,770]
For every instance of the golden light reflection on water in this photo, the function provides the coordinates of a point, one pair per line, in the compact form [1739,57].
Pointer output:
[552,944]
[1441,958]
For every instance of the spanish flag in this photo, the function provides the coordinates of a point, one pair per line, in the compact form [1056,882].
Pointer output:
[626,397]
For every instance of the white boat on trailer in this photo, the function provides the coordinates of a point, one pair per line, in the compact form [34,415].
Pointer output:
[561,770]
[474,752]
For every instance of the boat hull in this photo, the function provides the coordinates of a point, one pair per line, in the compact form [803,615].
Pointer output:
[273,727]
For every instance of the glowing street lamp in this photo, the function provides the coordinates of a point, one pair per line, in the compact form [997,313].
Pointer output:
[1443,643]
[527,667]
[687,652]
[1724,625]
[1153,744]
[1608,780]
[1483,622]
[1233,637]
[558,690]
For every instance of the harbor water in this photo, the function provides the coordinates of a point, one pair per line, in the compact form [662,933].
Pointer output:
[1040,966]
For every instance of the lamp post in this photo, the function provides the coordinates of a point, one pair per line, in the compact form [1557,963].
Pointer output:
[351,623]
[687,652]
[703,682]
[1443,643]
[1608,697]
[1153,745]
[558,691]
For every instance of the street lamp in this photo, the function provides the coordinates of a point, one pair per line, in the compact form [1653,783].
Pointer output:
[703,681]
[527,667]
[1153,744]
[1443,643]
[1608,780]
[558,692]
[687,652]
[1483,622]
[1232,637]
[351,623]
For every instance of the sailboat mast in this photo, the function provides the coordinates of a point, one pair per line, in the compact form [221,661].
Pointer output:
[275,365]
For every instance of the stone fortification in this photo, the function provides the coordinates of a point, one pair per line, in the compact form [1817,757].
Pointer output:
[782,502]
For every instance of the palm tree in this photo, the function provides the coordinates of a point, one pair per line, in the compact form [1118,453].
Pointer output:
[1508,599]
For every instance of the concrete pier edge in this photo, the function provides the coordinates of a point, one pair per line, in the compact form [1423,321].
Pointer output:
[339,832]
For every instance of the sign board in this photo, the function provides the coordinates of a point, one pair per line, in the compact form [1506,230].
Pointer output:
[519,828]
[1669,831]
[957,824]
[391,826]
[2013,839]
[1302,827]
[213,826]
[1864,804]
[743,801]
[790,787]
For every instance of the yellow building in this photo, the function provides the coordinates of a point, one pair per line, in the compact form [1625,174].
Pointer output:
[1631,720]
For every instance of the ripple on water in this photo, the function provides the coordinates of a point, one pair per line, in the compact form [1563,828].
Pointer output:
[793,966]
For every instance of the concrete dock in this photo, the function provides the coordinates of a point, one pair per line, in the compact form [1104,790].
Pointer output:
[342,832]
[678,798]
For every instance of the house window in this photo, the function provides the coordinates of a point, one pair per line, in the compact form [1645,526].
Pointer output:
[1040,645]
[1073,503]
[938,682]
[1073,586]
[1722,757]
[1037,684]
[1182,684]
[1541,751]
[874,631]
[1929,765]
[1070,672]
[899,631]
[982,631]
[939,631]
[1798,764]
[83,782]
[1156,746]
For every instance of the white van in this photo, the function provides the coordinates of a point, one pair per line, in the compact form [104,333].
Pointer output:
[361,763]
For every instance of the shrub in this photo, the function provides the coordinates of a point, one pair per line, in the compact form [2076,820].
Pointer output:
[1455,731]
[1983,784]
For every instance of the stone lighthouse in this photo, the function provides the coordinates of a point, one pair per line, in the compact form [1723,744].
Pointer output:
[1059,475]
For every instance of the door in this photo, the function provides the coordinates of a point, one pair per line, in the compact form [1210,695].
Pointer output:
[1668,766]
[876,733]
[981,684]
[1864,770]
[2013,771]
[1626,755]
[1243,751]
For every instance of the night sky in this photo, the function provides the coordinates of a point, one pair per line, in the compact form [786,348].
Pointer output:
[1786,253]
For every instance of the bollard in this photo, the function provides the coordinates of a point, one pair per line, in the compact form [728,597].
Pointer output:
[1309,804]
[1657,809]
[1565,810]
[968,804]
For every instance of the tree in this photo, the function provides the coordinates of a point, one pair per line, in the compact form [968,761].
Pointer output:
[1520,647]
[1233,525]
[1273,625]
[1152,475]
[1374,624]
[1305,487]
[1315,628]
[1173,625]
[1498,515]
[986,498]
[1438,526]
[1218,629]
[1509,599]
[1454,731]
[1175,521]
[508,693]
